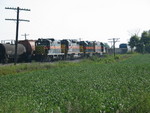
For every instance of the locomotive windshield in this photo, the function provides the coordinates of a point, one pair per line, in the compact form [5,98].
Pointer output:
[43,42]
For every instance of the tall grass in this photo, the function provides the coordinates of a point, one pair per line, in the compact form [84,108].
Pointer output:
[86,87]
[27,67]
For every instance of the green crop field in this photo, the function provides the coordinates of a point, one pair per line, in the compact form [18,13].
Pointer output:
[97,85]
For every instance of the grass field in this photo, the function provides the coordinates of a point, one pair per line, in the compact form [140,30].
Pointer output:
[90,86]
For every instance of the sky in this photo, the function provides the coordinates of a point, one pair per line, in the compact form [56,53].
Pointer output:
[93,20]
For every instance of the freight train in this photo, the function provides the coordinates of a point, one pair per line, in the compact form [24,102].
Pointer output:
[48,49]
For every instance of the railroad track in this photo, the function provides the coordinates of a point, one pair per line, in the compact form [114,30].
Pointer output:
[19,63]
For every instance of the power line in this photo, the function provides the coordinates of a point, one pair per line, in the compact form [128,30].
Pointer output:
[17,27]
[13,8]
[19,20]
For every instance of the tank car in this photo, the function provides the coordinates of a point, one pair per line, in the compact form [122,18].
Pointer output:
[25,51]
[30,48]
[7,52]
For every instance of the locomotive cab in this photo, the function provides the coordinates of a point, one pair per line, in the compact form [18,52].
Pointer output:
[41,46]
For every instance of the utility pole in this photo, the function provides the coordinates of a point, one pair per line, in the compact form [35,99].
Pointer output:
[114,40]
[17,27]
[25,35]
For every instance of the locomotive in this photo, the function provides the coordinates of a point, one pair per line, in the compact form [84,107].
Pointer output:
[48,49]
[124,48]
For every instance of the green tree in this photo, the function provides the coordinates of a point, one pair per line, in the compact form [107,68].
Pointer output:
[145,41]
[134,40]
[139,47]
[145,37]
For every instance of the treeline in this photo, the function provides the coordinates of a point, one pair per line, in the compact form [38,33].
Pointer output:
[141,44]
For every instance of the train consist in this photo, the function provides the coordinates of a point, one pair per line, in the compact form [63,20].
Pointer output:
[48,49]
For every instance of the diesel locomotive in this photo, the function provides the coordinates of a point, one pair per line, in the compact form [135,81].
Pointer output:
[49,49]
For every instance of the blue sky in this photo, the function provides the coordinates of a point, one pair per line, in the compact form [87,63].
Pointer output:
[86,19]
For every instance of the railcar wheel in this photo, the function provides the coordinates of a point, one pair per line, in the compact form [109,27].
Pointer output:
[29,58]
[71,57]
[63,57]
[47,58]
[5,60]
